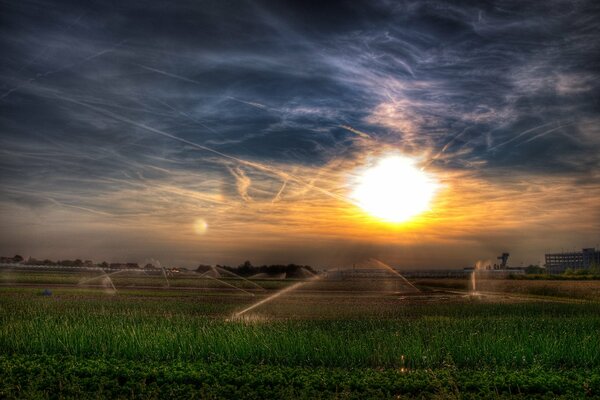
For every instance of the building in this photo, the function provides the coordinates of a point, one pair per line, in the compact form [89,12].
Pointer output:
[557,263]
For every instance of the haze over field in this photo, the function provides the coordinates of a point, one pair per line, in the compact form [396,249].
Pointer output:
[422,134]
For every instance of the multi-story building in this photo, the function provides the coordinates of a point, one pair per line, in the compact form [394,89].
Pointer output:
[557,263]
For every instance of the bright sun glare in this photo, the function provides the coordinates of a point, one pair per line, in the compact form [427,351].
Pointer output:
[395,190]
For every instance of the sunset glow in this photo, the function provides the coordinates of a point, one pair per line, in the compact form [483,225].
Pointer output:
[283,134]
[299,199]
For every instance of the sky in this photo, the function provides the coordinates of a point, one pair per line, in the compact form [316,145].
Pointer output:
[221,131]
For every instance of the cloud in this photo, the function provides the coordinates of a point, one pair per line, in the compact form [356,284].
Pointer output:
[242,183]
[126,118]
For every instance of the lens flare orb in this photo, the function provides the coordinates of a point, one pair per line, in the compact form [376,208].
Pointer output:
[395,189]
[200,226]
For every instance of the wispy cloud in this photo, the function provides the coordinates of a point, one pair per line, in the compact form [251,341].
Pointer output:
[139,124]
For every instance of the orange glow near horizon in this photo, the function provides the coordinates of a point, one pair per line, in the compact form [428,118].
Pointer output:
[254,213]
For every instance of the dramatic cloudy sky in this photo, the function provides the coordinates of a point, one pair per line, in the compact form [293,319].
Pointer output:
[219,131]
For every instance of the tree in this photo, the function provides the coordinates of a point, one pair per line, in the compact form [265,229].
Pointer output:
[203,268]
[246,268]
[595,269]
[534,269]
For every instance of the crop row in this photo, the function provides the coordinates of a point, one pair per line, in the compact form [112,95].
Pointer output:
[469,336]
[68,377]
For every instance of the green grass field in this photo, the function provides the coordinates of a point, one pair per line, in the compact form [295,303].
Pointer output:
[157,343]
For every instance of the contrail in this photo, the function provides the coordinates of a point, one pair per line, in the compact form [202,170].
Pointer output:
[253,164]
[188,116]
[158,71]
[59,203]
[43,51]
[356,131]
[278,195]
[90,210]
[242,183]
[520,135]
[443,150]
[250,103]
[186,79]
[31,80]
[546,132]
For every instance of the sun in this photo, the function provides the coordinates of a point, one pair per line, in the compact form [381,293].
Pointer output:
[395,189]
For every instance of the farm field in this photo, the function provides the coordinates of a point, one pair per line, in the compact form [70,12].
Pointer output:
[300,199]
[570,289]
[310,342]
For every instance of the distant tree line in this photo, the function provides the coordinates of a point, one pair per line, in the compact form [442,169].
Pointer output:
[593,270]
[534,269]
[11,260]
[247,269]
[77,263]
[537,272]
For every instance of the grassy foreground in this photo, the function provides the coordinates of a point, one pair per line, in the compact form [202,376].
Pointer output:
[58,376]
[85,345]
